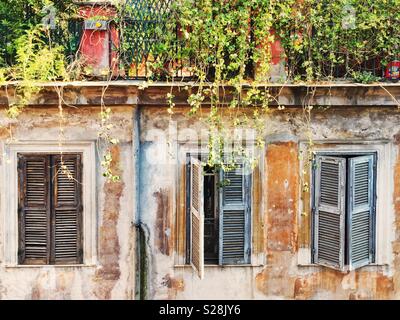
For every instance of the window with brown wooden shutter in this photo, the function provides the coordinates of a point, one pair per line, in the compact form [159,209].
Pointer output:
[197,217]
[50,209]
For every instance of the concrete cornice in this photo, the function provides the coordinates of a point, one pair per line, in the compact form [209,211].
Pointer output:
[90,93]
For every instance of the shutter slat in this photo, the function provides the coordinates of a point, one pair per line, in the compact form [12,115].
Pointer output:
[234,217]
[361,203]
[67,242]
[197,217]
[233,192]
[329,216]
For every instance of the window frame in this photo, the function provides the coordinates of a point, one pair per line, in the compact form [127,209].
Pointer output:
[9,198]
[348,155]
[248,215]
[386,152]
[52,205]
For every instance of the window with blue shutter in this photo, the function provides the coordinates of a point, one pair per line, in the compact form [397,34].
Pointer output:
[361,211]
[329,215]
[225,200]
[344,211]
[234,217]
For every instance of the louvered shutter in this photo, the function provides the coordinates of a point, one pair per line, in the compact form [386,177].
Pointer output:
[361,211]
[67,209]
[33,209]
[234,217]
[197,217]
[329,212]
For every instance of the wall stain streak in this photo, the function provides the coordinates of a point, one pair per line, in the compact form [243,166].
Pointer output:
[163,222]
[109,272]
[174,286]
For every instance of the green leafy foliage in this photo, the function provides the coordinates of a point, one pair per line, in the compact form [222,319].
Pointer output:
[225,45]
[18,16]
[365,77]
[322,37]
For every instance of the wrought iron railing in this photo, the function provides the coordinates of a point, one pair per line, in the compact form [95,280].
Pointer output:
[336,71]
[143,31]
[143,24]
[142,28]
[68,36]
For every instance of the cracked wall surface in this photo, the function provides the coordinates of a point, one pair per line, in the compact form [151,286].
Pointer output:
[278,230]
[112,274]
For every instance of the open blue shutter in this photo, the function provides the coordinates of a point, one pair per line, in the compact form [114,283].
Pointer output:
[329,212]
[197,217]
[234,217]
[361,211]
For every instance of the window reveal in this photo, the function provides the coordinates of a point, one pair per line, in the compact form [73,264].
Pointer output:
[50,209]
[219,220]
[344,211]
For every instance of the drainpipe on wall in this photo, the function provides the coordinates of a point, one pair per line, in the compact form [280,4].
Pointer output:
[142,262]
[142,230]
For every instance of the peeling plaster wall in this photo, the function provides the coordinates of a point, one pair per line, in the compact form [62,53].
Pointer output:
[162,190]
[163,210]
[112,276]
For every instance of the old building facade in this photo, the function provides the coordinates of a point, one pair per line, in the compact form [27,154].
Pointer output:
[316,217]
[136,237]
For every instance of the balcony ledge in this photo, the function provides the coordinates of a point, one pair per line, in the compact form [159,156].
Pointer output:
[136,92]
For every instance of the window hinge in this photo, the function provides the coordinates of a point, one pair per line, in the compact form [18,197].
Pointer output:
[372,250]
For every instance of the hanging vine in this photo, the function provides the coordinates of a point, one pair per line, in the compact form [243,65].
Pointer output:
[223,47]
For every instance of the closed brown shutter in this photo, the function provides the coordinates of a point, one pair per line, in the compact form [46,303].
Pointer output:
[67,210]
[50,209]
[34,209]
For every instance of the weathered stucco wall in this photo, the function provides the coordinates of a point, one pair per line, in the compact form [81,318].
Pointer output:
[279,232]
[278,228]
[112,275]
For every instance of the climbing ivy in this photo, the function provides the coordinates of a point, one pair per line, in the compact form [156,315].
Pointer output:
[323,38]
[225,47]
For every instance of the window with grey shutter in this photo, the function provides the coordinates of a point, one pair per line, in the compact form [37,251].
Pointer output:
[329,215]
[234,217]
[344,211]
[230,194]
[361,209]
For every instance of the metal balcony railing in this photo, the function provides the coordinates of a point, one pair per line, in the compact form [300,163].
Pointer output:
[67,35]
[143,26]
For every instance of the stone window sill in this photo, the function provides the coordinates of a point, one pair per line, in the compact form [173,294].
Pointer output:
[51,266]
[222,266]
[371,267]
